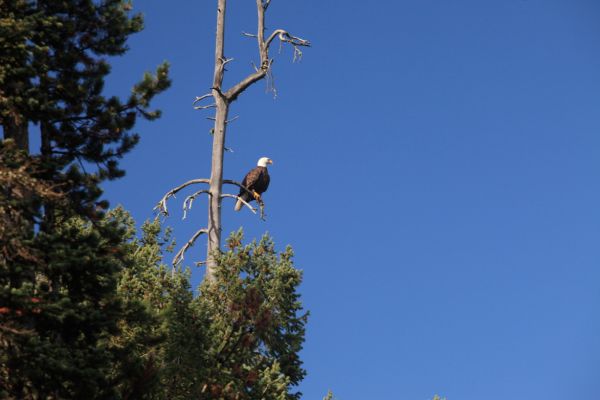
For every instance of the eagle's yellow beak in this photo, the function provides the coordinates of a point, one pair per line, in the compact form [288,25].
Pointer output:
[270,161]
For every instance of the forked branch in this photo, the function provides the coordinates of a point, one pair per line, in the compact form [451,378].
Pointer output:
[285,37]
[221,101]
[187,203]
[162,204]
[180,254]
[263,48]
[244,84]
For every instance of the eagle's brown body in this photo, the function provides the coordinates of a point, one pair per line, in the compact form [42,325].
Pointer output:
[257,181]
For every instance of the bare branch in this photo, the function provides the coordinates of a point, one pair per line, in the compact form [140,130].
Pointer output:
[187,203]
[224,61]
[240,199]
[180,254]
[285,37]
[263,47]
[222,99]
[162,204]
[200,98]
[219,69]
[205,107]
[236,183]
[297,54]
[273,36]
[261,203]
[235,91]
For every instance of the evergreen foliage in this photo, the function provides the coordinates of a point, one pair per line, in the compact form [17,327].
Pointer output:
[239,338]
[87,308]
[122,325]
[168,346]
[19,304]
[255,323]
[52,70]
[62,311]
[60,259]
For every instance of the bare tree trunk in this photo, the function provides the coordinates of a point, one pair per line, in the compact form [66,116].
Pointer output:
[216,185]
[222,101]
[216,177]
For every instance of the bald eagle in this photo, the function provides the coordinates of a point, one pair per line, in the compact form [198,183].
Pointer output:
[257,181]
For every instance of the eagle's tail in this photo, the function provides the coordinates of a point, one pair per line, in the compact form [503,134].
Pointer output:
[238,205]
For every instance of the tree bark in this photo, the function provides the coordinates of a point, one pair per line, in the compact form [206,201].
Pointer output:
[216,177]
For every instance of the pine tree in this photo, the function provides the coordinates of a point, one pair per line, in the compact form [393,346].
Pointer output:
[52,70]
[255,323]
[19,300]
[87,310]
[166,350]
[61,259]
[239,338]
[60,323]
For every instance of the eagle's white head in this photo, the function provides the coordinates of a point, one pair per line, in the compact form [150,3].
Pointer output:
[264,161]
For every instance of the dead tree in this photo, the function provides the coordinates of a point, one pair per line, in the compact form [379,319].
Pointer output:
[221,101]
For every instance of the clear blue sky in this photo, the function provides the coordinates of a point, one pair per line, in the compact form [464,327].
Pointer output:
[436,171]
